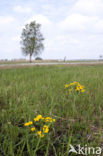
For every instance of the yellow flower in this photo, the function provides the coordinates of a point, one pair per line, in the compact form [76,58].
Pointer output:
[53,120]
[77,86]
[38,118]
[82,90]
[40,134]
[42,118]
[71,84]
[66,86]
[48,119]
[76,83]
[81,87]
[77,89]
[33,129]
[28,123]
[46,129]
[35,119]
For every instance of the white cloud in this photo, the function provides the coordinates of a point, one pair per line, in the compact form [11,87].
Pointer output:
[82,24]
[46,24]
[88,7]
[4,20]
[85,16]
[99,26]
[21,9]
[7,25]
[74,22]
[40,19]
[16,38]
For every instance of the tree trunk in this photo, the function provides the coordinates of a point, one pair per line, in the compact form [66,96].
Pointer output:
[30,59]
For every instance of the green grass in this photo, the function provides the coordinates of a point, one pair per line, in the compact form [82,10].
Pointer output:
[27,92]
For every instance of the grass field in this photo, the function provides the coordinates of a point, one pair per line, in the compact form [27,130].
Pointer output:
[30,91]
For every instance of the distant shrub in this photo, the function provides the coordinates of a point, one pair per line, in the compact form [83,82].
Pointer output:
[38,58]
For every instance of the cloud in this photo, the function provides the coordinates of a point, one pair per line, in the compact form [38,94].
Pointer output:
[7,25]
[39,18]
[84,17]
[4,20]
[82,24]
[74,22]
[99,26]
[46,24]
[16,38]
[88,7]
[23,9]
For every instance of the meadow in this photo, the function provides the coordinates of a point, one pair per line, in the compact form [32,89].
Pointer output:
[31,91]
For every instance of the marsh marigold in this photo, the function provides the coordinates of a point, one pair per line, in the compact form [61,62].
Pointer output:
[40,129]
[75,86]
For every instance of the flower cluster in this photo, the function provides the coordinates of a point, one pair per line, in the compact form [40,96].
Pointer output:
[40,125]
[75,86]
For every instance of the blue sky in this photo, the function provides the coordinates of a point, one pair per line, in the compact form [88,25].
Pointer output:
[71,28]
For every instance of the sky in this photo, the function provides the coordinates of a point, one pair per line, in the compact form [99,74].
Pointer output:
[71,28]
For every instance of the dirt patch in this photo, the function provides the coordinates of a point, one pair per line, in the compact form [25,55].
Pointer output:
[10,66]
